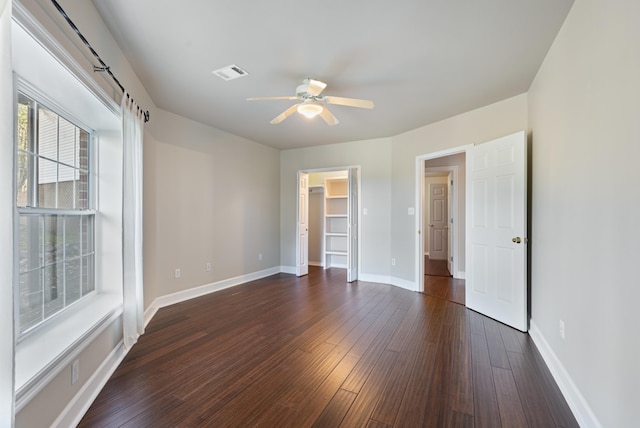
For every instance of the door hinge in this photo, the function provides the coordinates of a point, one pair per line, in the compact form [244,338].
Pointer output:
[451,258]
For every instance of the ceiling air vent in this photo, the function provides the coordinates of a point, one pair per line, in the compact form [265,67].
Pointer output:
[230,72]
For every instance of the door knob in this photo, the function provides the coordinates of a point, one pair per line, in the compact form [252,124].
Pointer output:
[517,240]
[430,225]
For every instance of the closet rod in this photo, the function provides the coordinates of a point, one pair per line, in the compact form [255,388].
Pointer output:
[103,66]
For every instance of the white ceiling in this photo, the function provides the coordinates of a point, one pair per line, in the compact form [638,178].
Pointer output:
[420,61]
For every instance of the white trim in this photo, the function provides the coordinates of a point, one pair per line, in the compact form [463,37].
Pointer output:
[192,293]
[34,385]
[319,264]
[78,406]
[288,269]
[576,401]
[403,283]
[460,275]
[390,280]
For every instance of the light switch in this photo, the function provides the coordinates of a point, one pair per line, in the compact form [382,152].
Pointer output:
[411,211]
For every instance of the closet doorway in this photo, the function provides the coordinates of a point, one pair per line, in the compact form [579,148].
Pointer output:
[328,220]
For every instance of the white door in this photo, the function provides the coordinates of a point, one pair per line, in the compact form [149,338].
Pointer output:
[496,283]
[438,221]
[302,244]
[352,243]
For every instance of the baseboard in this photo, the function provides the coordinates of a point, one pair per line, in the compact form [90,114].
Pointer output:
[460,275]
[403,283]
[192,293]
[288,269]
[378,279]
[319,264]
[381,279]
[576,401]
[78,406]
[337,265]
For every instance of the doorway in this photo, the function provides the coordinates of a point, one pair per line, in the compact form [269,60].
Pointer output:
[441,221]
[328,219]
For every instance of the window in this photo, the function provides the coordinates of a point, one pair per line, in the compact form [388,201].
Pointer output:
[55,231]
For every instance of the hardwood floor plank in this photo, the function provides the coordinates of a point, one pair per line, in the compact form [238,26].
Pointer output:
[376,424]
[459,420]
[391,398]
[533,401]
[293,352]
[461,398]
[333,414]
[510,338]
[509,403]
[485,404]
[556,402]
[412,407]
[437,401]
[362,407]
[311,408]
[497,351]
[369,359]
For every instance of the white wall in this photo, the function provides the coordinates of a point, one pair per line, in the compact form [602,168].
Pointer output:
[210,197]
[584,107]
[373,158]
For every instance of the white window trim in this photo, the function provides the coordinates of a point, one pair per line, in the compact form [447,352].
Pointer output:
[45,352]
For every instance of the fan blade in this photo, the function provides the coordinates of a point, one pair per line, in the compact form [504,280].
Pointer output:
[328,117]
[351,102]
[315,87]
[271,98]
[282,116]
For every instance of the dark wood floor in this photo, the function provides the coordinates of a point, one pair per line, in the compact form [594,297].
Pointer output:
[316,351]
[445,287]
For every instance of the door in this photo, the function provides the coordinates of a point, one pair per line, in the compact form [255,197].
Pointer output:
[496,283]
[352,229]
[302,242]
[438,221]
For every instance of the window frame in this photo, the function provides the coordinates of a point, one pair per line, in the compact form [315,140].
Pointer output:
[23,87]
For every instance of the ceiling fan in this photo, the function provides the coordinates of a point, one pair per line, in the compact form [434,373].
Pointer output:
[313,102]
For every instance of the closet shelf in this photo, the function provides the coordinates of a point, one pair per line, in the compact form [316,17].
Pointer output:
[336,234]
[337,253]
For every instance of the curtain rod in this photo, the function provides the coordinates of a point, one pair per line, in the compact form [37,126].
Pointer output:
[103,66]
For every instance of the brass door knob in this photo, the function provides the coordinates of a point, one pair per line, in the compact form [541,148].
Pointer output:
[517,240]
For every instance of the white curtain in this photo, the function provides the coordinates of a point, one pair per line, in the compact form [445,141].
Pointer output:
[7,346]
[132,126]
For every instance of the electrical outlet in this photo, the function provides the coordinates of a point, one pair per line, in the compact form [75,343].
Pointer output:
[561,328]
[393,262]
[178,273]
[260,256]
[75,371]
[411,211]
[208,267]
[365,211]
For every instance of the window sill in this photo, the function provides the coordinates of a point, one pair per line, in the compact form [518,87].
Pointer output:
[47,351]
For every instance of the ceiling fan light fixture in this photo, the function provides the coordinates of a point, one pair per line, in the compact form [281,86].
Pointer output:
[309,110]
